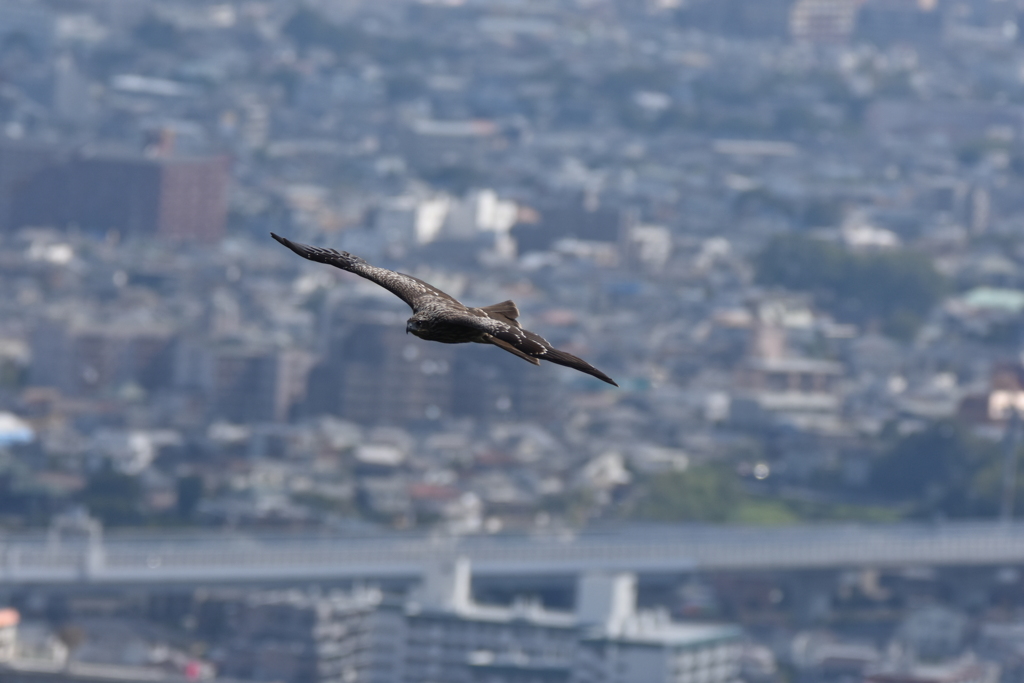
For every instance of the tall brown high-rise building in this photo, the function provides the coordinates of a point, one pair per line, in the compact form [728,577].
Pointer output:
[193,199]
[19,163]
[171,197]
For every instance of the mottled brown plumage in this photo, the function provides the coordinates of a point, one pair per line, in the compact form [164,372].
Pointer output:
[441,318]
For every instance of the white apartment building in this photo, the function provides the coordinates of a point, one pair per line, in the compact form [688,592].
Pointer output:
[439,634]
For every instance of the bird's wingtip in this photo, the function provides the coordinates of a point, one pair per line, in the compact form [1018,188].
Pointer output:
[299,249]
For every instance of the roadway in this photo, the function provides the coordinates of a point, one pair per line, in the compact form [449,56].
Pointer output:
[120,559]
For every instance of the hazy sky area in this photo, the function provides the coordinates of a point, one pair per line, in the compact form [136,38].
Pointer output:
[791,230]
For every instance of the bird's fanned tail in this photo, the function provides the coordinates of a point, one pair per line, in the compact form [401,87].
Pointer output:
[529,345]
[571,361]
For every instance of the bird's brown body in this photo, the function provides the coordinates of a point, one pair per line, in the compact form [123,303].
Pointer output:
[441,318]
[448,333]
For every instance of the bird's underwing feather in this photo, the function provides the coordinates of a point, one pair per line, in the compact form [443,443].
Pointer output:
[524,340]
[409,289]
[511,349]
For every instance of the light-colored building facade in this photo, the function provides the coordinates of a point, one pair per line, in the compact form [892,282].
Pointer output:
[441,635]
[9,619]
[620,644]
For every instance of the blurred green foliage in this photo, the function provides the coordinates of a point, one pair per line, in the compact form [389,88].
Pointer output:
[307,28]
[114,497]
[156,32]
[942,470]
[190,492]
[895,287]
[715,493]
[699,494]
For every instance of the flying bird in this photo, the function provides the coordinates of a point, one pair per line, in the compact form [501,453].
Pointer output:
[439,317]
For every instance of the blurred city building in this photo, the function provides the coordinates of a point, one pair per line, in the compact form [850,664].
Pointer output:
[441,633]
[166,197]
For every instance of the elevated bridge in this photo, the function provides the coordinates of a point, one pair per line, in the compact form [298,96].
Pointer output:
[236,558]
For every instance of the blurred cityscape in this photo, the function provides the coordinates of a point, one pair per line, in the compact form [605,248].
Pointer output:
[792,230]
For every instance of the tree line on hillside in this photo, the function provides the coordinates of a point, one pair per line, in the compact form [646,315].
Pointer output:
[941,470]
[894,288]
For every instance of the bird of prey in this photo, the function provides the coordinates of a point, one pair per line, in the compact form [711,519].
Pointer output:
[436,316]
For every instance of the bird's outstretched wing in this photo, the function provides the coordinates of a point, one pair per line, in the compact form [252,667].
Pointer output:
[504,331]
[409,289]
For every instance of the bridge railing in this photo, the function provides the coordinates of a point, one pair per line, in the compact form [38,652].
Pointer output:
[192,557]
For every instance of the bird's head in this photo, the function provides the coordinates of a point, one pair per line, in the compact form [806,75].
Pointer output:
[416,325]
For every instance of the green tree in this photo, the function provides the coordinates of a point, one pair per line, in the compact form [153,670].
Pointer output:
[308,29]
[943,468]
[156,33]
[985,495]
[114,497]
[821,212]
[190,492]
[704,493]
[895,287]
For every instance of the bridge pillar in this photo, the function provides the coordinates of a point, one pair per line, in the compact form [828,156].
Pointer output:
[93,560]
[87,534]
